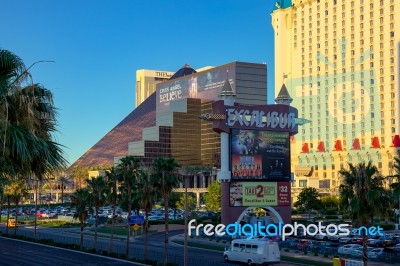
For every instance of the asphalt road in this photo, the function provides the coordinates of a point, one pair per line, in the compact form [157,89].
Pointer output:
[197,257]
[14,252]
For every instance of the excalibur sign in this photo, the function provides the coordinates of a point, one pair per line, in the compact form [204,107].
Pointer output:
[276,117]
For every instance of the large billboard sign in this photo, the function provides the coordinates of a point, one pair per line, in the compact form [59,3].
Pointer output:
[260,155]
[203,85]
[245,194]
[273,117]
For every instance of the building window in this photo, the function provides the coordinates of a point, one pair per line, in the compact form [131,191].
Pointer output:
[302,183]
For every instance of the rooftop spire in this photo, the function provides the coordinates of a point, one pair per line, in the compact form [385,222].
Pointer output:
[283,96]
[227,90]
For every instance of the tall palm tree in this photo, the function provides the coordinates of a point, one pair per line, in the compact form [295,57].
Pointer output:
[360,193]
[164,178]
[112,182]
[81,200]
[27,121]
[16,189]
[99,191]
[395,185]
[3,183]
[147,197]
[63,181]
[129,172]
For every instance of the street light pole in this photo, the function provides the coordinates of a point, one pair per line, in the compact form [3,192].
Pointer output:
[36,198]
[185,254]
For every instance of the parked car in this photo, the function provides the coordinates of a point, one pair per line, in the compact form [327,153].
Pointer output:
[345,240]
[376,241]
[397,248]
[348,249]
[357,240]
[321,236]
[359,252]
[375,253]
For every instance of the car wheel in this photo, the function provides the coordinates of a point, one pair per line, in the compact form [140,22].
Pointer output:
[226,258]
[249,262]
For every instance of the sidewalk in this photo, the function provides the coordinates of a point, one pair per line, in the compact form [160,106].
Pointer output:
[292,253]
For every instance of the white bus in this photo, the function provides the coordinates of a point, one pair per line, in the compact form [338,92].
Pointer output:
[253,252]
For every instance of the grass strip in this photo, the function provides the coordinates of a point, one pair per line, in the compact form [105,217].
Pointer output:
[199,245]
[305,261]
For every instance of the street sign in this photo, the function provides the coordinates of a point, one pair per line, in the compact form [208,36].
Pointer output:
[136,227]
[137,219]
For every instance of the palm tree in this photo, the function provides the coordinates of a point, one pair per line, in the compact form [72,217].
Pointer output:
[27,122]
[147,196]
[81,200]
[98,190]
[3,183]
[395,185]
[112,182]
[164,179]
[360,193]
[63,181]
[15,190]
[129,172]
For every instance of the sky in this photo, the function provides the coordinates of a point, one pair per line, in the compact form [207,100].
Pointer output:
[97,46]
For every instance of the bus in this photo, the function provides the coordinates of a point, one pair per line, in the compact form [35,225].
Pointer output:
[253,252]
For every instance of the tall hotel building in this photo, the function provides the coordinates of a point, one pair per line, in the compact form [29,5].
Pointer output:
[339,60]
[146,82]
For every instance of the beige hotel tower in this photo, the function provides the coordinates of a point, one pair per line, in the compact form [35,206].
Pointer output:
[146,82]
[339,60]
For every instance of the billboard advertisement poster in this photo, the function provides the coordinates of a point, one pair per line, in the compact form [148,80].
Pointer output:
[247,167]
[249,194]
[260,155]
[203,85]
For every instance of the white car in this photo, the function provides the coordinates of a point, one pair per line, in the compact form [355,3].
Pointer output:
[321,237]
[345,240]
[375,253]
[359,252]
[348,249]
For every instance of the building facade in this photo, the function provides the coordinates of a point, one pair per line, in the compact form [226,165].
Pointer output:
[178,132]
[339,60]
[146,82]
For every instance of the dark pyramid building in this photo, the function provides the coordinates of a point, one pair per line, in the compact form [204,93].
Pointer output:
[115,142]
[167,123]
[184,71]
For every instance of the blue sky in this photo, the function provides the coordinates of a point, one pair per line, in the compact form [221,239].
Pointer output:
[98,45]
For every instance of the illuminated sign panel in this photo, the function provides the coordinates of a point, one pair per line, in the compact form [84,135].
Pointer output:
[260,155]
[258,193]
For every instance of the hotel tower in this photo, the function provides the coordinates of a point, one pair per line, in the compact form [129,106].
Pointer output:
[339,60]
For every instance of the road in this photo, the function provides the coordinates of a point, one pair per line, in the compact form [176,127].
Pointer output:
[197,257]
[14,252]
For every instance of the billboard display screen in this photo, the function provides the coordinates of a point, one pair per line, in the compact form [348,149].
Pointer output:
[260,155]
[259,193]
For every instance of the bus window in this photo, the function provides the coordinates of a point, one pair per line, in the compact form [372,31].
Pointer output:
[236,247]
[248,248]
[254,249]
[242,247]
